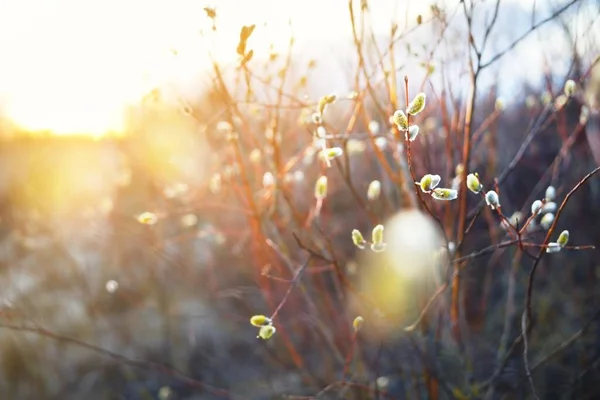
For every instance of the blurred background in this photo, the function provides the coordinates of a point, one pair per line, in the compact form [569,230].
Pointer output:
[158,162]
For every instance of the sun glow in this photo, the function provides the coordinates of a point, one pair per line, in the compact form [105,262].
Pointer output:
[71,67]
[75,66]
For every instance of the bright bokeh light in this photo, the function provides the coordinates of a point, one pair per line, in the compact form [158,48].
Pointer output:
[75,66]
[402,278]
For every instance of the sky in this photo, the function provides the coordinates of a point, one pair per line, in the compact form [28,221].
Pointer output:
[74,65]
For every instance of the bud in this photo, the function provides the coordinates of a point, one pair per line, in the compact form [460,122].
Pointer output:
[147,218]
[357,239]
[444,194]
[492,200]
[373,127]
[266,332]
[176,189]
[164,393]
[111,286]
[517,217]
[170,192]
[473,183]
[550,193]
[189,220]
[321,132]
[570,87]
[268,180]
[356,146]
[417,105]
[224,128]
[331,153]
[413,132]
[324,101]
[377,234]
[425,183]
[309,155]
[546,98]
[383,381]
[255,156]
[584,115]
[358,323]
[232,136]
[381,142]
[563,238]
[321,188]
[374,190]
[400,120]
[499,104]
[536,206]
[549,207]
[378,247]
[547,221]
[429,182]
[560,101]
[553,247]
[231,170]
[214,184]
[260,320]
[459,169]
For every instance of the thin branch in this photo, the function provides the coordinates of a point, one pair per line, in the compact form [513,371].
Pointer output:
[526,326]
[526,34]
[567,343]
[147,365]
[293,284]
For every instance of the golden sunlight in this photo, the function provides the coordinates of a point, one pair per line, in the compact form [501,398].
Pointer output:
[75,66]
[400,280]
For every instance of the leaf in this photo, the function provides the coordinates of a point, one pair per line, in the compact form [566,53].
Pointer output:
[247,57]
[210,12]
[246,32]
[241,48]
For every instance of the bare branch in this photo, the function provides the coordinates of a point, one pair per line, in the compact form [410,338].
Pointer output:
[526,34]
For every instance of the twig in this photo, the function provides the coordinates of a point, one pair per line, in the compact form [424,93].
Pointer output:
[525,360]
[293,284]
[431,300]
[567,343]
[526,327]
[412,173]
[524,35]
[349,355]
[148,365]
